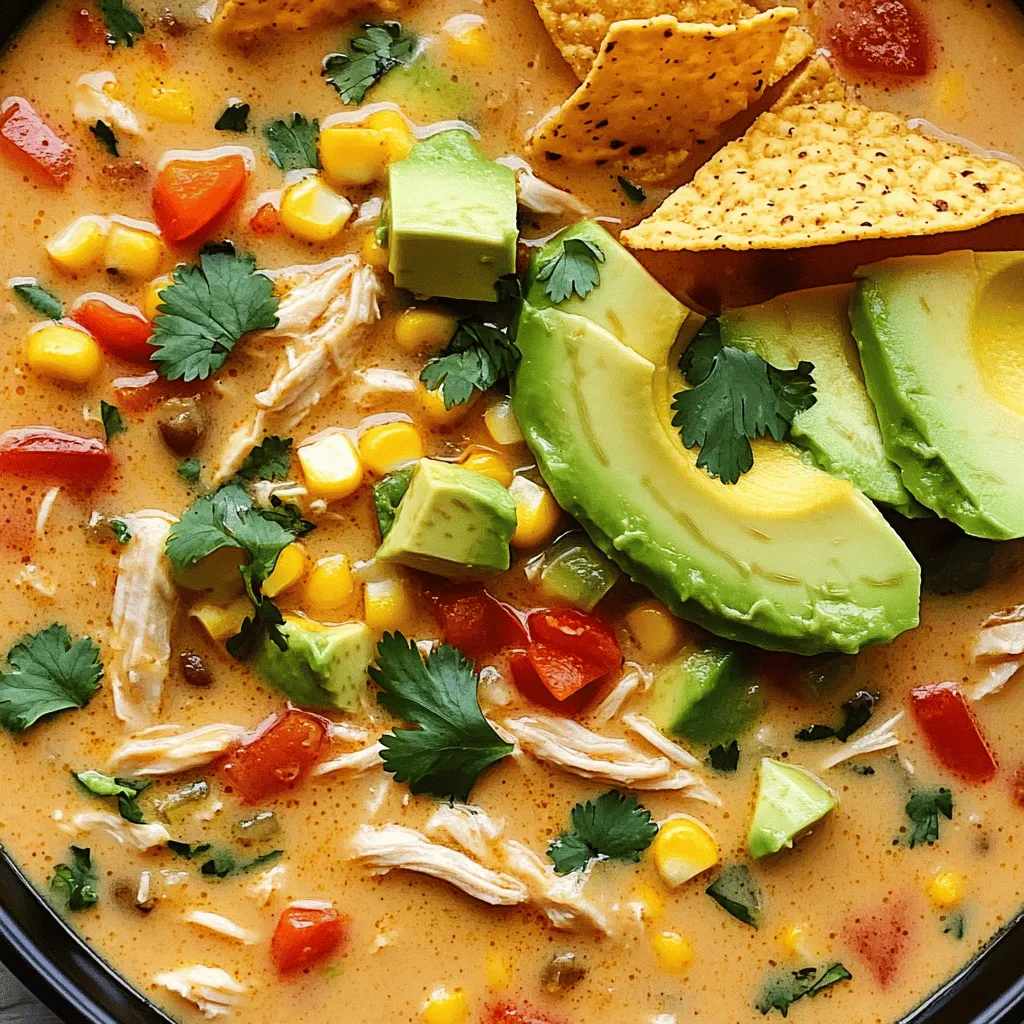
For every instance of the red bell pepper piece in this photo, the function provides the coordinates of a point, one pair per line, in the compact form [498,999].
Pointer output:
[306,936]
[49,453]
[278,759]
[30,140]
[265,221]
[191,194]
[552,691]
[943,715]
[590,640]
[475,622]
[120,329]
[880,939]
[510,1013]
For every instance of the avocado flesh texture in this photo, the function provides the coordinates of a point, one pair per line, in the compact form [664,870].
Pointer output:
[840,431]
[941,341]
[789,558]
[789,800]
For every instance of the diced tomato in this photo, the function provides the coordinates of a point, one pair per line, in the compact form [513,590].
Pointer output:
[191,195]
[587,638]
[880,939]
[306,936]
[881,37]
[29,139]
[542,691]
[475,622]
[510,1013]
[943,715]
[147,390]
[265,220]
[43,452]
[278,759]
[120,329]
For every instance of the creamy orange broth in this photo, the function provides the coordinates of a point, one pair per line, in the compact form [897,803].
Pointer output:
[410,934]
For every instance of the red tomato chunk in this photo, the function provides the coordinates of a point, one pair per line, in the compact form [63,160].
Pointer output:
[540,690]
[48,453]
[306,936]
[882,37]
[510,1013]
[588,639]
[952,732]
[120,329]
[26,137]
[191,195]
[880,939]
[475,622]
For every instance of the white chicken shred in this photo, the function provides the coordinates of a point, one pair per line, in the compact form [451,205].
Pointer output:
[881,738]
[357,762]
[211,989]
[166,749]
[45,508]
[999,651]
[267,883]
[645,728]
[537,195]
[222,926]
[95,100]
[466,826]
[634,679]
[145,599]
[126,833]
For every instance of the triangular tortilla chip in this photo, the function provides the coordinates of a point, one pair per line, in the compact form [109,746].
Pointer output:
[248,17]
[830,170]
[660,86]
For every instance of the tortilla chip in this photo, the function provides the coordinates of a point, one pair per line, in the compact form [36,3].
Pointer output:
[248,17]
[830,170]
[658,88]
[815,84]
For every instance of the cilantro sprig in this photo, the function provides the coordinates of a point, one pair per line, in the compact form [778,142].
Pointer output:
[294,147]
[923,809]
[113,421]
[612,827]
[478,357]
[206,311]
[371,56]
[105,136]
[736,891]
[127,792]
[269,460]
[734,397]
[38,299]
[234,119]
[123,24]
[572,267]
[452,743]
[725,757]
[856,714]
[77,881]
[781,991]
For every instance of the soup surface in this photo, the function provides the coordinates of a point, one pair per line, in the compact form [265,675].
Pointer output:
[253,855]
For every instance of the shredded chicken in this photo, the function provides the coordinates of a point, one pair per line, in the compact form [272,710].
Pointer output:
[139,837]
[537,195]
[467,827]
[45,508]
[145,599]
[645,728]
[999,651]
[94,101]
[322,310]
[211,989]
[634,679]
[881,738]
[267,883]
[354,763]
[165,749]
[222,926]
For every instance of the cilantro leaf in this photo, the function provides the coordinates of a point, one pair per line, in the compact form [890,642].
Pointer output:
[205,312]
[224,863]
[126,791]
[634,193]
[122,22]
[234,119]
[478,356]
[76,881]
[736,890]
[780,991]
[113,421]
[955,925]
[120,529]
[387,494]
[371,56]
[923,809]
[49,673]
[573,268]
[293,147]
[612,827]
[187,850]
[105,137]
[288,516]
[269,460]
[189,470]
[725,757]
[453,743]
[37,298]
[856,713]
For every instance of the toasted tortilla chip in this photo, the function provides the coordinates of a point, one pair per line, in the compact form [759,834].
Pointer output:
[248,17]
[659,87]
[818,169]
[816,83]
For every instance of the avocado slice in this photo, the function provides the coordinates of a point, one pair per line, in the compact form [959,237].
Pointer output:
[789,558]
[427,93]
[789,800]
[840,431]
[322,666]
[940,341]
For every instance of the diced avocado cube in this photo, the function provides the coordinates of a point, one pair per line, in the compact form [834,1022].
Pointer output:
[451,522]
[322,667]
[789,800]
[706,696]
[452,226]
[572,570]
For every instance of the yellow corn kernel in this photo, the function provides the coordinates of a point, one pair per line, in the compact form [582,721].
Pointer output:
[331,466]
[656,630]
[471,44]
[683,848]
[497,970]
[387,604]
[389,445]
[131,251]
[652,906]
[290,568]
[433,408]
[793,939]
[488,464]
[330,587]
[398,136]
[502,424]
[421,329]
[313,212]
[63,354]
[945,890]
[374,254]
[537,513]
[446,1006]
[153,300]
[165,100]
[222,622]
[950,92]
[673,951]
[353,155]
[80,245]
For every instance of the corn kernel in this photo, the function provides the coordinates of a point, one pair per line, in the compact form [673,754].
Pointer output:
[537,513]
[683,848]
[421,330]
[153,300]
[313,212]
[793,939]
[397,135]
[132,251]
[488,464]
[387,604]
[290,568]
[80,245]
[950,92]
[446,1007]
[353,155]
[471,44]
[433,408]
[329,588]
[63,354]
[374,254]
[165,100]
[502,424]
[389,445]
[652,906]
[945,890]
[497,970]
[331,467]
[673,951]
[656,630]
[222,622]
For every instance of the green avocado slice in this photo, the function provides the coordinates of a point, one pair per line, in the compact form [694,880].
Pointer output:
[941,341]
[789,800]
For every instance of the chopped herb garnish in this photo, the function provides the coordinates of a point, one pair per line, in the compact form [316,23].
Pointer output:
[293,147]
[387,494]
[612,827]
[725,757]
[122,22]
[77,881]
[478,357]
[224,863]
[288,516]
[126,791]
[113,421]
[923,809]
[860,769]
[187,850]
[371,56]
[269,460]
[735,396]
[37,298]
[105,136]
[782,990]
[121,530]
[856,713]
[453,743]
[737,891]
[954,925]
[573,268]
[49,672]
[189,470]
[635,193]
[234,119]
